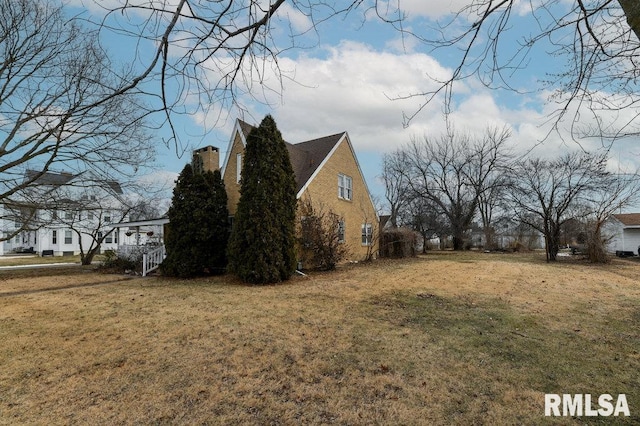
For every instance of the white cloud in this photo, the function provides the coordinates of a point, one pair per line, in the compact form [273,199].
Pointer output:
[298,20]
[352,90]
[422,8]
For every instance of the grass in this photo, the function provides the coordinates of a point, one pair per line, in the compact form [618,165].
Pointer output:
[444,339]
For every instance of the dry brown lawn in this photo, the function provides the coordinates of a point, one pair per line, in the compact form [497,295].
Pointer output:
[444,339]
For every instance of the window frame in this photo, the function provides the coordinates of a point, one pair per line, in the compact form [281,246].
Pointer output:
[238,167]
[345,187]
[68,236]
[366,234]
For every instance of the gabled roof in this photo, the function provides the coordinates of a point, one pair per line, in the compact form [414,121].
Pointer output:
[57,179]
[306,157]
[49,178]
[628,219]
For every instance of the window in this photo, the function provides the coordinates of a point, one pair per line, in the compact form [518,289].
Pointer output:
[107,217]
[345,187]
[108,239]
[68,238]
[90,215]
[341,231]
[238,167]
[68,215]
[367,234]
[115,235]
[54,237]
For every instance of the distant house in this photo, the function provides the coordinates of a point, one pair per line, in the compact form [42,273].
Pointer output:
[623,231]
[507,233]
[327,172]
[57,215]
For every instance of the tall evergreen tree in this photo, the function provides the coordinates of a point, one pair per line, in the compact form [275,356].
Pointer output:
[198,225]
[262,244]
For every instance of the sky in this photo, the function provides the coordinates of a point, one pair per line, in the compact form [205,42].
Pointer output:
[351,76]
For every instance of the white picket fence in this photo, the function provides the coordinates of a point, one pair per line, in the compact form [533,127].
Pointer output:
[152,260]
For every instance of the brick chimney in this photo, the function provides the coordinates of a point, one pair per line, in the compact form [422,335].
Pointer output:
[210,156]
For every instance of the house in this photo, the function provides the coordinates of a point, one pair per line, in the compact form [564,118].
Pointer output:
[623,233]
[327,173]
[61,213]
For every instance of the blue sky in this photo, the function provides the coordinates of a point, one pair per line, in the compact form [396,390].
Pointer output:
[347,77]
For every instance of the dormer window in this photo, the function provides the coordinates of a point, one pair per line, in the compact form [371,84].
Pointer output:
[345,187]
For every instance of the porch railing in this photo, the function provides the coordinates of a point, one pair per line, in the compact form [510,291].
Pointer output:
[152,260]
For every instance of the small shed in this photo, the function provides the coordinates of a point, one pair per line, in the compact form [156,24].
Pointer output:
[624,233]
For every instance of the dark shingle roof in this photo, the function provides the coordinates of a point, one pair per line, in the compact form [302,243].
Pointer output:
[49,178]
[305,157]
[628,219]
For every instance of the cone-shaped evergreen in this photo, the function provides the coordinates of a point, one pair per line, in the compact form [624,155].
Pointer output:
[198,225]
[262,244]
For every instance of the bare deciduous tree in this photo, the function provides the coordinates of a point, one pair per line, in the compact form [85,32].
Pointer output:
[57,103]
[438,172]
[543,193]
[427,221]
[488,175]
[397,191]
[454,174]
[597,40]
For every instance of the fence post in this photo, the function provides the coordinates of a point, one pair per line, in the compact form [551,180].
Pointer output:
[144,264]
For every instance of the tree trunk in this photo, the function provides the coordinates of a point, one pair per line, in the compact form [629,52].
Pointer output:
[553,244]
[88,257]
[458,241]
[631,9]
[488,238]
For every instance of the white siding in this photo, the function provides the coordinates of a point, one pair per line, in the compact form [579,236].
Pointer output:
[621,239]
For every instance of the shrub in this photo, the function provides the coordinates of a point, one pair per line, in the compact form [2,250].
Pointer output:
[320,240]
[119,264]
[398,242]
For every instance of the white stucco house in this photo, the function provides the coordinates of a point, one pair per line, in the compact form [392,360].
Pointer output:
[623,231]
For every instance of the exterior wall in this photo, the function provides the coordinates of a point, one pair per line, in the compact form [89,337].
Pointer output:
[323,190]
[622,239]
[230,177]
[42,239]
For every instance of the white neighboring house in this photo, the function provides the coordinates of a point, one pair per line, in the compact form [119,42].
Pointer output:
[64,212]
[624,232]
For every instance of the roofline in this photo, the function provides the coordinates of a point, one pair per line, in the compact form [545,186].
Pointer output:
[321,165]
[624,225]
[345,136]
[236,129]
[159,221]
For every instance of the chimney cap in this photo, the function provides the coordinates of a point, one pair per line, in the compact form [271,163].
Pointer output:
[207,148]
